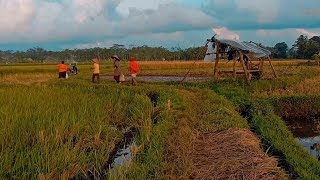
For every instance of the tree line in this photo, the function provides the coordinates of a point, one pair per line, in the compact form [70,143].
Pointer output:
[303,48]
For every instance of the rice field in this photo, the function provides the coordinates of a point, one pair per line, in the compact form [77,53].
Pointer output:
[62,129]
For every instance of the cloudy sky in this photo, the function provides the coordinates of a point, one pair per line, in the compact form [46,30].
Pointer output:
[60,24]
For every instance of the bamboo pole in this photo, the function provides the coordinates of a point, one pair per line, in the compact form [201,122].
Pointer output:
[244,68]
[274,72]
[216,65]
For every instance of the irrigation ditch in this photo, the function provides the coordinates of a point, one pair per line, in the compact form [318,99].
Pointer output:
[125,149]
[302,116]
[122,151]
[269,119]
[289,130]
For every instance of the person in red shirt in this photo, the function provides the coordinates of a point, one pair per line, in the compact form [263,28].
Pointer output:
[134,69]
[62,70]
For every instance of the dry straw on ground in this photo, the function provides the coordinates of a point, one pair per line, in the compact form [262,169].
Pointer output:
[232,154]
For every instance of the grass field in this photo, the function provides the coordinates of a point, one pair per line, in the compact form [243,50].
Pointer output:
[64,129]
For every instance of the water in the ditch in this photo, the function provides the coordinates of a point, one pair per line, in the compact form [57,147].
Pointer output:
[122,152]
[307,133]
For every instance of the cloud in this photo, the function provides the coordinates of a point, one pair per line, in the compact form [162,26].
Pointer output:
[16,15]
[105,44]
[226,33]
[47,21]
[264,14]
[266,11]
[124,6]
[307,33]
[285,33]
[166,18]
[175,36]
[72,22]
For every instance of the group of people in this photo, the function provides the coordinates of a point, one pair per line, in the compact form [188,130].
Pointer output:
[117,73]
[63,70]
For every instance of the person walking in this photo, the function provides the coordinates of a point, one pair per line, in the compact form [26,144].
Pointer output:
[62,70]
[117,68]
[134,69]
[96,70]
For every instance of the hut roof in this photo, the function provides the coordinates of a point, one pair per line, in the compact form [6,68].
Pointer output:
[252,48]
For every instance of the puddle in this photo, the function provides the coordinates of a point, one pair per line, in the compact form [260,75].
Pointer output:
[165,78]
[307,133]
[122,152]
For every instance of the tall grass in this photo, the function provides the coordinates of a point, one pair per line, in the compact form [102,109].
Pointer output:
[61,131]
[270,128]
[63,128]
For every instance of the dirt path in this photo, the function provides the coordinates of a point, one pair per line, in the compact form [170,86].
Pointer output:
[164,78]
[232,154]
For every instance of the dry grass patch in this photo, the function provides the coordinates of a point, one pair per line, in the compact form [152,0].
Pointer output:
[26,79]
[232,154]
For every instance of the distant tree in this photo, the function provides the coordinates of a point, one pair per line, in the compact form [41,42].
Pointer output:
[312,47]
[300,45]
[316,38]
[280,50]
[292,53]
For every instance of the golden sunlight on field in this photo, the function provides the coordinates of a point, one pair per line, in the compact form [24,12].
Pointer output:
[26,79]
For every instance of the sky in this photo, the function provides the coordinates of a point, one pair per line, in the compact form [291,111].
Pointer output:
[71,24]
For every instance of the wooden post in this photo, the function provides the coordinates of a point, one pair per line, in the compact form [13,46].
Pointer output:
[274,72]
[216,66]
[247,75]
[234,69]
[261,64]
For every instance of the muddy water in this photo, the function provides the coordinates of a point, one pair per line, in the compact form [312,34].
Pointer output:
[307,134]
[122,152]
[164,78]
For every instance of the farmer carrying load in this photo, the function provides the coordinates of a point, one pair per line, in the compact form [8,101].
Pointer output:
[134,69]
[62,70]
[96,70]
[117,68]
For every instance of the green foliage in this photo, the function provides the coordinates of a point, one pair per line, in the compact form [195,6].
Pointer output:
[273,131]
[52,130]
[85,55]
[306,48]
[280,50]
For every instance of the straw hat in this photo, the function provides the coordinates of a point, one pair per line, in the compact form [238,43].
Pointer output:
[95,60]
[115,57]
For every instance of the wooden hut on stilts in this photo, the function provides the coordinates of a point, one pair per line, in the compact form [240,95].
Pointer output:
[250,55]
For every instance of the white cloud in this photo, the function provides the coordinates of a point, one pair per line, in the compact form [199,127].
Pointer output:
[225,33]
[307,33]
[54,21]
[86,10]
[141,21]
[105,44]
[285,33]
[42,21]
[125,5]
[266,10]
[16,15]
[175,36]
